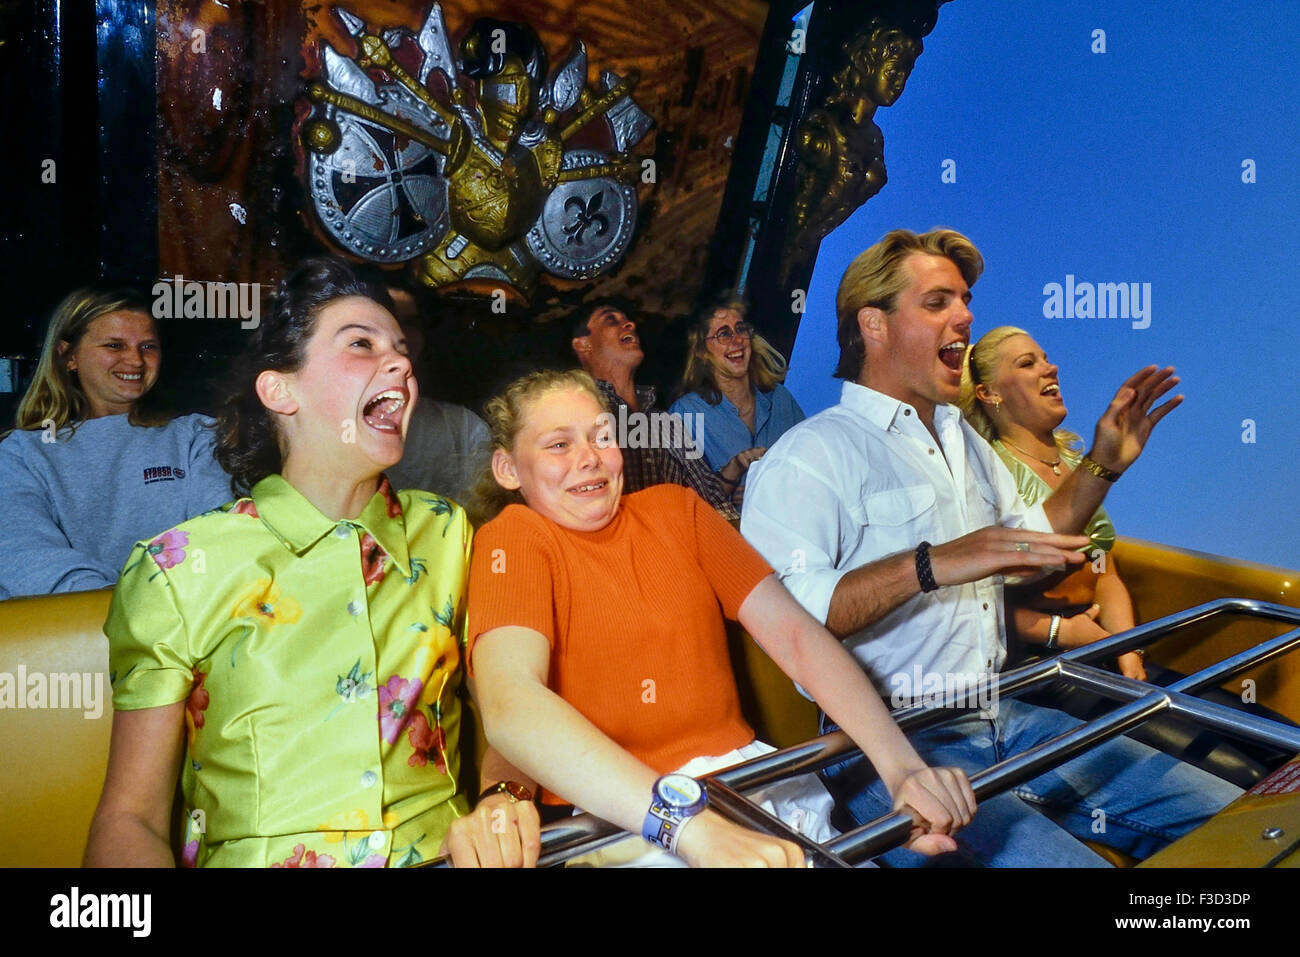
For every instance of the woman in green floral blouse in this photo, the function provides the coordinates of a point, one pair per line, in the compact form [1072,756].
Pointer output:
[300,647]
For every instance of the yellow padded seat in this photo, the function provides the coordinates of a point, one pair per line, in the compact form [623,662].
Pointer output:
[779,714]
[53,762]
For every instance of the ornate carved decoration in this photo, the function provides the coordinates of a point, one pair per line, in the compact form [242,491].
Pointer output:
[459,161]
[840,148]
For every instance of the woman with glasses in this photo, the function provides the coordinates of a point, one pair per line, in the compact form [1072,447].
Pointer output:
[733,377]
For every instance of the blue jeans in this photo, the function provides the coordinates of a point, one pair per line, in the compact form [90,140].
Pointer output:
[1122,794]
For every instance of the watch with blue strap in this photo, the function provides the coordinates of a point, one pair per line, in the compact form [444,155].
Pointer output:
[674,800]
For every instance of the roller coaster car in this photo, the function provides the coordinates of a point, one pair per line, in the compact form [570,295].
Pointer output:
[1217,621]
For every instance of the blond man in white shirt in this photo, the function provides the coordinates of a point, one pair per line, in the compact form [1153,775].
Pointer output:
[905,521]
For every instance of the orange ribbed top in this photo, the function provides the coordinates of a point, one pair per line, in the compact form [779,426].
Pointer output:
[634,614]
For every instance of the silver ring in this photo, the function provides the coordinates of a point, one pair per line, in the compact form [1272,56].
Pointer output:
[1022,546]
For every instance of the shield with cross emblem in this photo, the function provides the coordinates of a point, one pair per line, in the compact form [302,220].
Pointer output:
[379,194]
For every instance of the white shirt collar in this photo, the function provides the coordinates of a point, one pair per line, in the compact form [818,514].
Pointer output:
[882,410]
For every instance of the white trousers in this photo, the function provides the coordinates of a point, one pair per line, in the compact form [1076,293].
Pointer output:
[801,802]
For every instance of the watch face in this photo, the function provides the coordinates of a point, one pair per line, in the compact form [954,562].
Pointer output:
[679,790]
[516,790]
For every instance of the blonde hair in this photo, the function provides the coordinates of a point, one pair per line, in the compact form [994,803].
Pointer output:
[55,394]
[876,277]
[767,367]
[979,367]
[504,415]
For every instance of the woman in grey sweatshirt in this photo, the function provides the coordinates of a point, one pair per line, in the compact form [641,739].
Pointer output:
[87,473]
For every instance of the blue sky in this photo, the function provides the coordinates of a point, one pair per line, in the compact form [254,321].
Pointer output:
[1122,166]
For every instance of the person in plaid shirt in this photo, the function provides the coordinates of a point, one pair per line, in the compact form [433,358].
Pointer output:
[606,343]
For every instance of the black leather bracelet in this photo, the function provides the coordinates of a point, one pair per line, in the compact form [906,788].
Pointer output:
[924,574]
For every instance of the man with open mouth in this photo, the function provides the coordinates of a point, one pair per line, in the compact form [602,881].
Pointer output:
[893,468]
[608,347]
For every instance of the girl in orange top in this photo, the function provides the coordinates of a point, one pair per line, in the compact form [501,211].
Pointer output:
[597,641]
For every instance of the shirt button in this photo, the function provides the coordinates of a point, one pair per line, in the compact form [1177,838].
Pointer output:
[369,779]
[986,606]
[376,840]
[931,451]
[907,412]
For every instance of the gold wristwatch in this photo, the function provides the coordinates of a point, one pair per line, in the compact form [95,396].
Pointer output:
[512,789]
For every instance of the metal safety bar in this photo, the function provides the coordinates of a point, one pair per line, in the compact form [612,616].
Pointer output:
[886,832]
[738,808]
[1139,703]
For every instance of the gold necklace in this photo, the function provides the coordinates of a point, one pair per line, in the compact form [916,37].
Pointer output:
[1054,466]
[749,409]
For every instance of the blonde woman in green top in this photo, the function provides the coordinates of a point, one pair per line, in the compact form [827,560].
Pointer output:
[293,656]
[1011,394]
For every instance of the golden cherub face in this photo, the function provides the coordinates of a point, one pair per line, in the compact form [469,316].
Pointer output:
[890,56]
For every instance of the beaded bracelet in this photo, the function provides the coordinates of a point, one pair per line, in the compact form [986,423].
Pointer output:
[924,574]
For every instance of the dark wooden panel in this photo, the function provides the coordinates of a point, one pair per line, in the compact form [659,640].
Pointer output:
[222,163]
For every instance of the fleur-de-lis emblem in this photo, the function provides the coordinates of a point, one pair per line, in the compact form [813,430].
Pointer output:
[588,214]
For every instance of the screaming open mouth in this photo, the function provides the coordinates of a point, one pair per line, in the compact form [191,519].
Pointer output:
[383,412]
[952,354]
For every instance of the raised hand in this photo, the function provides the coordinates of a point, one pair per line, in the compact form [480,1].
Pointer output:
[1123,429]
[995,550]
